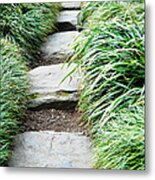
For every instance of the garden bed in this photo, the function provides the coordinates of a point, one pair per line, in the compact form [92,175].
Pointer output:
[110,51]
[24,27]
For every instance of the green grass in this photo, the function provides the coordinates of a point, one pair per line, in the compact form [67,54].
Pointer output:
[23,29]
[120,143]
[110,51]
[28,24]
[110,10]
[13,92]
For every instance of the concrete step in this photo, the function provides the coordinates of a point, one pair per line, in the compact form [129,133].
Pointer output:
[58,45]
[71,5]
[47,89]
[67,20]
[51,149]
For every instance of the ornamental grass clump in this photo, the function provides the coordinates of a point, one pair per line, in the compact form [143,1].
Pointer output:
[109,10]
[110,51]
[120,143]
[28,25]
[14,85]
[23,29]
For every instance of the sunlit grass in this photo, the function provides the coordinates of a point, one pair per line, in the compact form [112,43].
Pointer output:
[110,52]
[28,24]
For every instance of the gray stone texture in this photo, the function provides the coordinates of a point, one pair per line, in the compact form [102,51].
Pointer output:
[58,45]
[51,149]
[67,20]
[71,5]
[47,87]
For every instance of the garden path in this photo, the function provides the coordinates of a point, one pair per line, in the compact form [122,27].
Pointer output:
[52,135]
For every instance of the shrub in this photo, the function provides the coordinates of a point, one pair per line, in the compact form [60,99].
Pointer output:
[12,95]
[28,25]
[110,52]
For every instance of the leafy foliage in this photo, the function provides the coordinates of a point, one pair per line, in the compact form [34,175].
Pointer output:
[110,10]
[120,143]
[12,94]
[28,24]
[23,28]
[110,52]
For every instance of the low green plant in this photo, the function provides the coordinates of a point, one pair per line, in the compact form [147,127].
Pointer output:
[109,10]
[28,24]
[23,29]
[120,143]
[13,91]
[110,52]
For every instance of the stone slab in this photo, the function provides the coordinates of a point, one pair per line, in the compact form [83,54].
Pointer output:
[47,87]
[71,5]
[67,20]
[51,149]
[58,45]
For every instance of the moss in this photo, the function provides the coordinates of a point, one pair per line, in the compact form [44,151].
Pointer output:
[33,96]
[64,93]
[37,95]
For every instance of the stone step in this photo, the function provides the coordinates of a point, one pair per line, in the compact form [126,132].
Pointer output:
[67,20]
[71,5]
[51,149]
[58,45]
[47,89]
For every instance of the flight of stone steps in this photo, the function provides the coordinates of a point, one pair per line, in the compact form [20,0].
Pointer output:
[48,148]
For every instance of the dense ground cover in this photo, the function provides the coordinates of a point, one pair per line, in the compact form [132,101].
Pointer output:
[23,28]
[12,94]
[28,24]
[110,51]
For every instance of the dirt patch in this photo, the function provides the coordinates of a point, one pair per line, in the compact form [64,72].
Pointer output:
[52,119]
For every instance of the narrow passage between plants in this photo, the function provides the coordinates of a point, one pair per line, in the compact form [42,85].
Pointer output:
[52,120]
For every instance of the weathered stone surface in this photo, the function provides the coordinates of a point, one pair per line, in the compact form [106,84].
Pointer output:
[58,45]
[71,5]
[51,149]
[48,90]
[67,20]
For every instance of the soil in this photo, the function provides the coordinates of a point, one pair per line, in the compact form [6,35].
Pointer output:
[52,119]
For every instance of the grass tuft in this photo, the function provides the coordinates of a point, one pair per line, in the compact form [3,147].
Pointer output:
[110,52]
[23,29]
[13,93]
[28,24]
